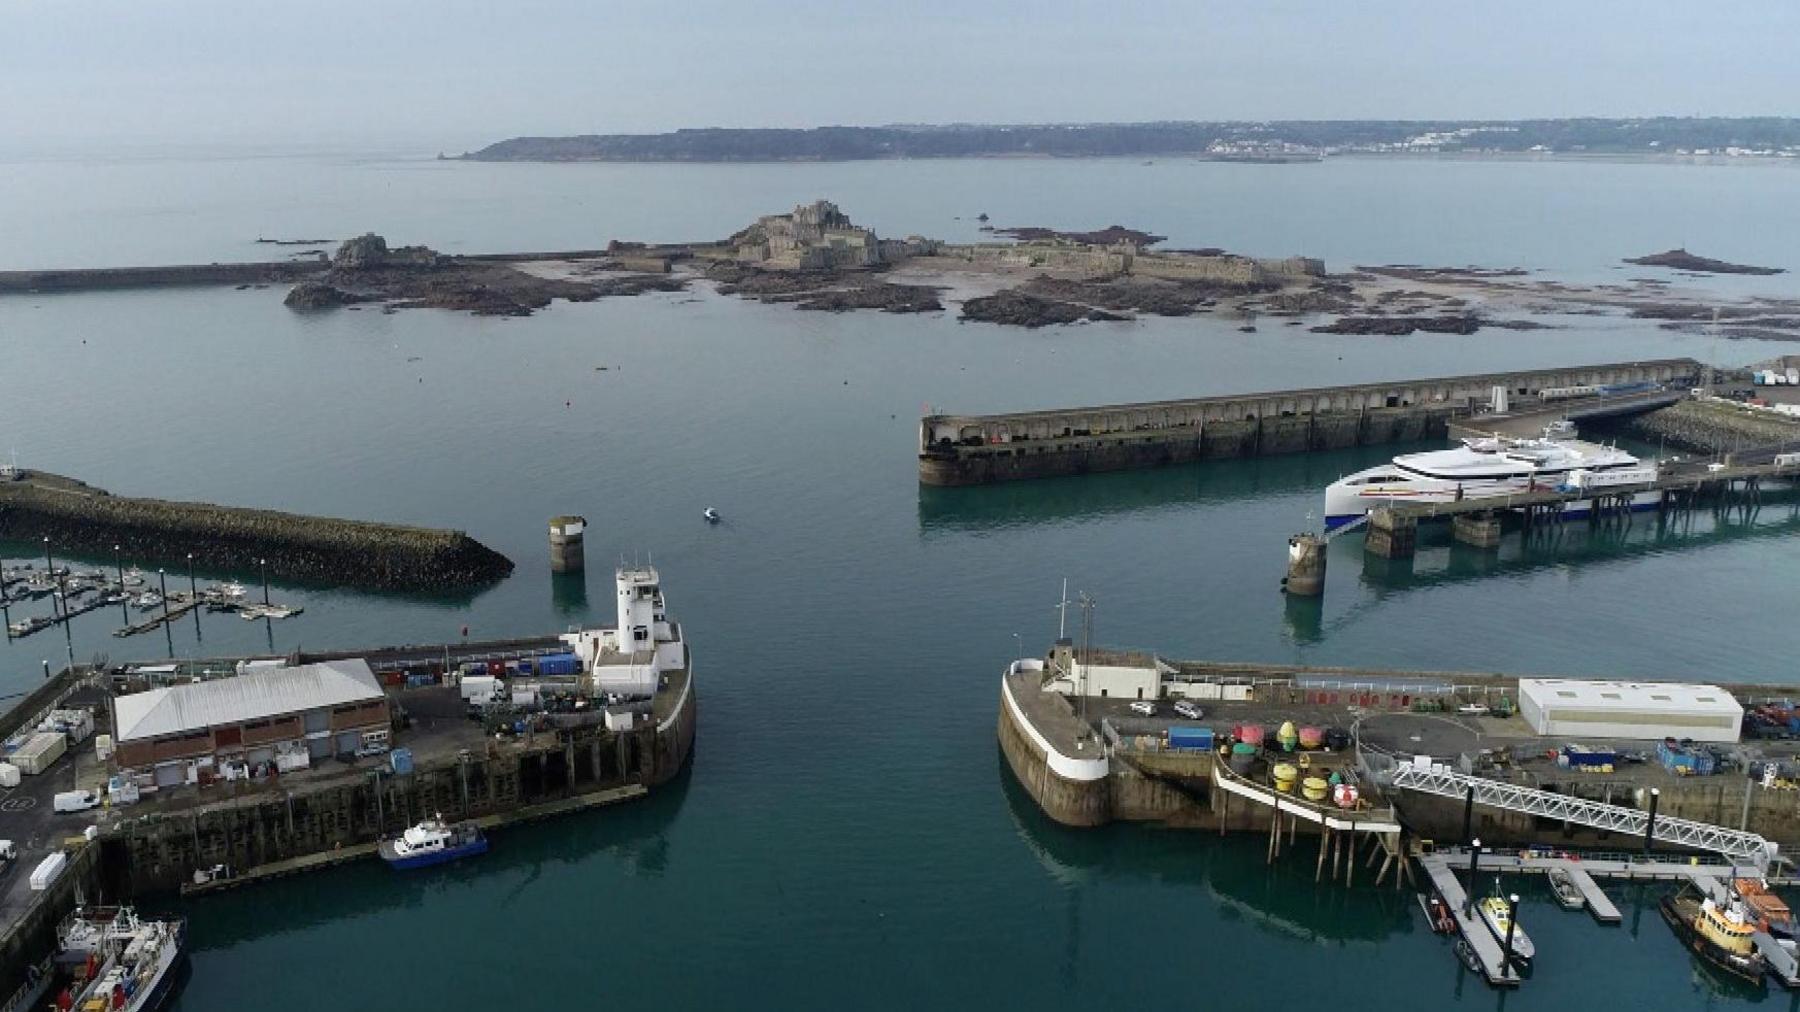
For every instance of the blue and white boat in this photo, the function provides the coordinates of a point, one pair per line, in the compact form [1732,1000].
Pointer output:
[1491,468]
[433,841]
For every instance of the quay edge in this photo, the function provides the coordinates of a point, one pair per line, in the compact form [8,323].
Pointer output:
[980,449]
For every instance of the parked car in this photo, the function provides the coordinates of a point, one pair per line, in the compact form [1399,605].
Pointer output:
[1189,710]
[1473,709]
[1144,707]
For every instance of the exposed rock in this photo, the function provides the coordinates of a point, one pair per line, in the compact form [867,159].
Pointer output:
[885,297]
[1682,260]
[1107,236]
[366,269]
[1015,308]
[1390,326]
[1146,295]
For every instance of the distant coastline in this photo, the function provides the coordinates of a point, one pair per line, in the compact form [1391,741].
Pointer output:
[1278,142]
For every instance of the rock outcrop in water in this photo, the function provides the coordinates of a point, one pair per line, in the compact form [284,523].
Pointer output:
[306,549]
[1682,260]
[1015,308]
[366,269]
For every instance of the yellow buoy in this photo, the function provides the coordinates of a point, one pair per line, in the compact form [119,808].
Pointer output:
[1315,788]
[1284,775]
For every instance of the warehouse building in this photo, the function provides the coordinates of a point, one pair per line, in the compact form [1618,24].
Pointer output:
[332,708]
[1558,707]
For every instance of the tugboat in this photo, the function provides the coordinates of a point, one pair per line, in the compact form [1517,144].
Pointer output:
[119,962]
[1495,913]
[433,841]
[1568,894]
[1720,936]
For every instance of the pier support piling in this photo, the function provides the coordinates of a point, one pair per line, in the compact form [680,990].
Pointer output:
[1477,530]
[1390,536]
[566,552]
[1306,566]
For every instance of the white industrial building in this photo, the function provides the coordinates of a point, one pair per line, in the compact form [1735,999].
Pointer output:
[1563,707]
[1111,674]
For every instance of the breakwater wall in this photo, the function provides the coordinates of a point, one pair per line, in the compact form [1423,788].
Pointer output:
[320,550]
[977,449]
[95,278]
[1713,426]
[157,847]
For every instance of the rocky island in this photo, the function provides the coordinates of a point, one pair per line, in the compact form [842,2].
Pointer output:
[366,269]
[1681,260]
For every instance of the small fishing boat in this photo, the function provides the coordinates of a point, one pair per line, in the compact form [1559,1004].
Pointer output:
[231,590]
[1496,913]
[1568,894]
[134,577]
[1437,914]
[1720,936]
[433,841]
[711,514]
[27,626]
[1765,907]
[1466,953]
[147,600]
[121,963]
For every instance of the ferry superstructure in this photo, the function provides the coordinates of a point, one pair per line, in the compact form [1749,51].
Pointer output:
[1490,467]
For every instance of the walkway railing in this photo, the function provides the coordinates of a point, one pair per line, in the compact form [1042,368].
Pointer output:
[1738,845]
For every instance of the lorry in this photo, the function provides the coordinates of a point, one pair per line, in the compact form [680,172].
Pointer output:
[479,691]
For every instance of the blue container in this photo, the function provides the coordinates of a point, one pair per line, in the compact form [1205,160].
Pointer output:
[558,664]
[401,760]
[524,665]
[1195,738]
[518,727]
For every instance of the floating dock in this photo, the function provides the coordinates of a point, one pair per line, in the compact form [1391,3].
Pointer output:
[1469,926]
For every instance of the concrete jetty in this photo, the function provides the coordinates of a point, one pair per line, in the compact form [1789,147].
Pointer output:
[977,449]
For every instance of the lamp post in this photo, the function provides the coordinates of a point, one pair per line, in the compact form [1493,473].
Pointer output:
[1650,826]
[264,563]
[193,589]
[119,564]
[1019,642]
[1474,864]
[162,580]
[1512,921]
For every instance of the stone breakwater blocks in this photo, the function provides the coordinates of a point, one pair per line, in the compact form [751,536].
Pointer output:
[318,550]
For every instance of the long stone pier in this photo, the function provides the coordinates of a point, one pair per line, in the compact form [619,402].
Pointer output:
[977,449]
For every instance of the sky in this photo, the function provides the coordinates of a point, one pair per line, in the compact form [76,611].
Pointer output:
[453,75]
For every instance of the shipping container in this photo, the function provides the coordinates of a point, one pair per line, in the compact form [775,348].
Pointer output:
[39,752]
[558,664]
[401,759]
[1196,738]
[47,870]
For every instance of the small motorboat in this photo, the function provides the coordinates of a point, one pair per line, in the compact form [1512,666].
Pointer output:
[134,577]
[1568,894]
[231,590]
[1466,953]
[433,841]
[147,600]
[1496,913]
[711,514]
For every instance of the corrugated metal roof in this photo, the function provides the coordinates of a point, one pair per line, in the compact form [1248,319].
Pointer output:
[1633,697]
[198,705]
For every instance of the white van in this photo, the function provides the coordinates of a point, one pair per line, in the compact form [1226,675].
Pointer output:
[76,801]
[1144,707]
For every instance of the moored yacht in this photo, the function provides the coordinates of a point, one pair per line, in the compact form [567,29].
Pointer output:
[1489,467]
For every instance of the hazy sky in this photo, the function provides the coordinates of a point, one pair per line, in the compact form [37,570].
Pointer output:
[452,74]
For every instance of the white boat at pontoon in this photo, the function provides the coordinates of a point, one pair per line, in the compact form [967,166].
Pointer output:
[147,600]
[1491,468]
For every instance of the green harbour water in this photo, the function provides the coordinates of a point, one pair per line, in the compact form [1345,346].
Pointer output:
[848,833]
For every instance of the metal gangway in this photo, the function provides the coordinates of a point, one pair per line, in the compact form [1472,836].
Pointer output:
[1742,848]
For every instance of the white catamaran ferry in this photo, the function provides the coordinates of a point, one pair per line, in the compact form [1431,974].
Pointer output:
[1483,468]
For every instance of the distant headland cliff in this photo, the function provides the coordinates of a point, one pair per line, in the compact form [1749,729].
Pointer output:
[1272,141]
